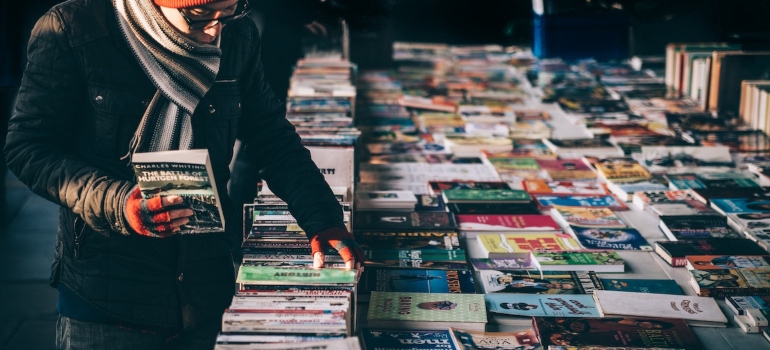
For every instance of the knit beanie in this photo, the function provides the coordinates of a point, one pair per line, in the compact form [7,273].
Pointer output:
[177,4]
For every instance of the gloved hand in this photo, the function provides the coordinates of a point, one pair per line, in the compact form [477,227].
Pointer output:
[340,239]
[150,217]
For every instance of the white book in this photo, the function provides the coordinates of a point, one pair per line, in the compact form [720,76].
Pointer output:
[698,311]
[351,343]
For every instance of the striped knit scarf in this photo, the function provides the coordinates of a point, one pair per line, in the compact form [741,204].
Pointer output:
[181,69]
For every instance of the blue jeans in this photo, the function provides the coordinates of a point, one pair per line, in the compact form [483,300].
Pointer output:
[75,335]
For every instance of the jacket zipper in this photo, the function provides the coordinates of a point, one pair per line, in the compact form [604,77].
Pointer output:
[78,236]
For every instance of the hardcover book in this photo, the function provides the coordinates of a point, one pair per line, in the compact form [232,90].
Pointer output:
[598,261]
[518,245]
[696,226]
[575,305]
[698,311]
[546,202]
[642,286]
[674,252]
[610,238]
[504,223]
[619,332]
[184,173]
[416,280]
[426,310]
[538,282]
[383,339]
[479,340]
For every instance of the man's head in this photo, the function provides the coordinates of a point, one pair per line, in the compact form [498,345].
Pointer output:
[201,20]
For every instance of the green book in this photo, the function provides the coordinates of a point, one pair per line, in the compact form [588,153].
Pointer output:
[515,163]
[415,254]
[492,195]
[599,261]
[404,310]
[264,275]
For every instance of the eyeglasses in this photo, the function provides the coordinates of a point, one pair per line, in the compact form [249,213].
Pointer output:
[241,11]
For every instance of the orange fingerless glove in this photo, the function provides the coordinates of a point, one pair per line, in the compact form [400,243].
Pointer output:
[147,217]
[339,239]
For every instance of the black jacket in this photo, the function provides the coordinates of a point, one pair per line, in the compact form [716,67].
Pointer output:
[81,98]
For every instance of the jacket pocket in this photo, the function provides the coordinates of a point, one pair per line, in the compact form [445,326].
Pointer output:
[118,112]
[222,109]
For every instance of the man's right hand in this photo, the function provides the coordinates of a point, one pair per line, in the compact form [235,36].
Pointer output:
[152,218]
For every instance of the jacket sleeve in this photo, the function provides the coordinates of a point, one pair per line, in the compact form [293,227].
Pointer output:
[272,143]
[39,148]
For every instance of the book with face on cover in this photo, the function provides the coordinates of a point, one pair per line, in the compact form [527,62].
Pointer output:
[479,340]
[698,311]
[426,311]
[629,332]
[575,305]
[184,173]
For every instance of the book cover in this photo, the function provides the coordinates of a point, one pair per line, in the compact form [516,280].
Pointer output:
[575,305]
[538,282]
[454,255]
[598,261]
[520,244]
[540,186]
[662,196]
[696,226]
[493,208]
[731,282]
[438,186]
[397,221]
[479,340]
[566,169]
[684,181]
[674,252]
[680,159]
[680,208]
[616,331]
[435,308]
[660,286]
[587,217]
[717,262]
[384,279]
[493,196]
[741,205]
[698,311]
[748,222]
[739,304]
[621,170]
[294,275]
[500,222]
[519,263]
[426,202]
[626,190]
[184,173]
[383,339]
[515,163]
[408,240]
[610,238]
[546,202]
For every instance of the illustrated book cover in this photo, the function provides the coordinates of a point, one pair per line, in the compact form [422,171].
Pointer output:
[577,305]
[698,311]
[404,310]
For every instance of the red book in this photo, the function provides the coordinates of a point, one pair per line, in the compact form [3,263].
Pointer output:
[506,223]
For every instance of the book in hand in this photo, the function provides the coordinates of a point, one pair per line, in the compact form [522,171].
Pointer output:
[610,238]
[576,305]
[661,286]
[674,253]
[716,262]
[426,311]
[698,311]
[629,332]
[411,339]
[184,173]
[480,340]
[518,245]
[722,283]
[597,261]
[696,226]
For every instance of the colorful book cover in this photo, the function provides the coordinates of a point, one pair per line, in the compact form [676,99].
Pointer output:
[717,262]
[696,226]
[731,282]
[485,196]
[575,305]
[674,252]
[659,286]
[381,339]
[522,263]
[545,202]
[397,221]
[515,163]
[454,255]
[510,244]
[500,222]
[621,170]
[537,282]
[416,280]
[617,331]
[588,217]
[600,261]
[478,340]
[540,186]
[684,181]
[609,238]
[741,205]
[294,275]
[428,307]
[566,169]
[663,196]
[740,304]
[438,186]
[680,208]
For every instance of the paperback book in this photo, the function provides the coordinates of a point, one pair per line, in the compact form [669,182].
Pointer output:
[494,208]
[506,223]
[399,221]
[541,186]
[415,280]
[576,305]
[587,217]
[480,340]
[698,311]
[659,286]
[538,282]
[425,311]
[722,283]
[674,253]
[485,196]
[519,245]
[695,226]
[384,339]
[597,261]
[546,202]
[184,173]
[502,263]
[610,238]
[717,262]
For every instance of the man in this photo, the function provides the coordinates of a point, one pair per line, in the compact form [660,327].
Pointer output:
[106,79]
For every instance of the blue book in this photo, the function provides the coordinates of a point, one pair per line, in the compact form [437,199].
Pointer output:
[376,339]
[571,305]
[610,238]
[741,205]
[385,279]
[545,202]
[642,286]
